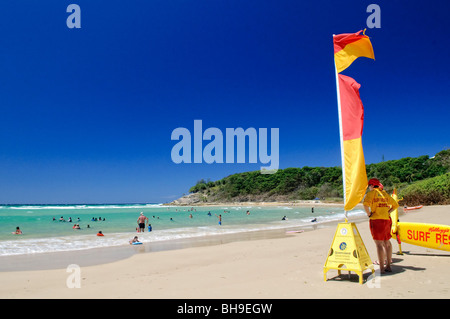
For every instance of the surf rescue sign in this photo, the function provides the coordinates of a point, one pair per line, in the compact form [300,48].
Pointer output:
[425,235]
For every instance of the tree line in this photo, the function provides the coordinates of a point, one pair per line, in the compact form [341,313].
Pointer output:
[419,180]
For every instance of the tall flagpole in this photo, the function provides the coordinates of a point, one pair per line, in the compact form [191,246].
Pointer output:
[340,132]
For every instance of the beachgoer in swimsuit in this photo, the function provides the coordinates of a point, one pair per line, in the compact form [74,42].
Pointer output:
[141,222]
[134,240]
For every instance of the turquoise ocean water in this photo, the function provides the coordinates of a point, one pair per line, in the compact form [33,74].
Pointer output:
[118,222]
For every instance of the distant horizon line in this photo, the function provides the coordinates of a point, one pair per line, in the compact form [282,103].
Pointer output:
[79,204]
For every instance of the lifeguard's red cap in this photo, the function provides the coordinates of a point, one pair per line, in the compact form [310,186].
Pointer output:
[375,182]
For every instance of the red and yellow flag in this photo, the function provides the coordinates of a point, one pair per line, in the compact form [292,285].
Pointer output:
[352,120]
[350,46]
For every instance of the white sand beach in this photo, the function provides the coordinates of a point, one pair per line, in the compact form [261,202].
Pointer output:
[290,267]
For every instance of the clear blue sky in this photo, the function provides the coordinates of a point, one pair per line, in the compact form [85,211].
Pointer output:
[87,114]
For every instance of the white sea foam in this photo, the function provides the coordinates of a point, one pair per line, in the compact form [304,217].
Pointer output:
[81,242]
[72,207]
[41,234]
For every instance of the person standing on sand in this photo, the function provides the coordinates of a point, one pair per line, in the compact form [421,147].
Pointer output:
[141,222]
[378,205]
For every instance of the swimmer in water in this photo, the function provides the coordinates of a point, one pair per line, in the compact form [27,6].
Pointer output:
[134,240]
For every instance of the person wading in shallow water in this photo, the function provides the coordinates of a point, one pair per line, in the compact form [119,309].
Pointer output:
[220,219]
[378,205]
[141,222]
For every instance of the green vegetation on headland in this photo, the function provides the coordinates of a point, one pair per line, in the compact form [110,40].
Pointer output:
[420,181]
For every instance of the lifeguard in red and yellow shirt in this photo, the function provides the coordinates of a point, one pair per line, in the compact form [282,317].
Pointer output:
[378,205]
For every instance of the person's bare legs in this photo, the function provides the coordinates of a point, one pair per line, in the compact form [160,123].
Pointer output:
[380,253]
[388,252]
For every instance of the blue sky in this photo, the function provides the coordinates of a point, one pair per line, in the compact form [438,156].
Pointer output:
[87,114]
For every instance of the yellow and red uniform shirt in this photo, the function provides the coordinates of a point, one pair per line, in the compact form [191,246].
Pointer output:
[379,202]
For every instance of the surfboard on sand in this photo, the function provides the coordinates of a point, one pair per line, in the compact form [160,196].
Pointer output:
[294,231]
[412,207]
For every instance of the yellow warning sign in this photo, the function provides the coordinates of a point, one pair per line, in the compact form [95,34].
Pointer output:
[348,252]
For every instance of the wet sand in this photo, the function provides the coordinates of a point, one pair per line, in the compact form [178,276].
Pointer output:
[288,266]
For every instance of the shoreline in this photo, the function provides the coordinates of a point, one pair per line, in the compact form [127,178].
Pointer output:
[300,203]
[104,255]
[28,259]
[285,267]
